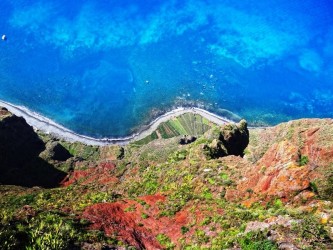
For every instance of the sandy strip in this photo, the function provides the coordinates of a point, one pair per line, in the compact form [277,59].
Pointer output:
[50,127]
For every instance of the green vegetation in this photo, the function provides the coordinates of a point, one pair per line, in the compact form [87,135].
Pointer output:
[165,241]
[184,229]
[303,160]
[81,150]
[144,216]
[186,124]
[46,230]
[178,156]
[156,187]
[153,136]
[256,241]
[315,233]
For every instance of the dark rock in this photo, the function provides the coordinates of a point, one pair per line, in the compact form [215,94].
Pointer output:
[20,147]
[186,139]
[232,140]
[235,137]
[215,149]
[121,153]
[18,142]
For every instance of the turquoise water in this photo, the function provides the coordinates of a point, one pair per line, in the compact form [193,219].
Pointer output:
[103,68]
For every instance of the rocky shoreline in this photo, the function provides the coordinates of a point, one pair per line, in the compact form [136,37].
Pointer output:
[48,126]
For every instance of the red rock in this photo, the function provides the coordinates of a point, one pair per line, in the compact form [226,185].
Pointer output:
[103,174]
[278,172]
[114,221]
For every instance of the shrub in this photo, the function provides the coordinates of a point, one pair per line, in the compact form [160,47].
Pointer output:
[184,229]
[45,231]
[144,216]
[50,231]
[256,241]
[303,160]
[165,241]
[315,233]
[314,187]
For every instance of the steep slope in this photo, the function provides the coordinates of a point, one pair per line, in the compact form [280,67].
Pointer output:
[19,150]
[165,195]
[289,158]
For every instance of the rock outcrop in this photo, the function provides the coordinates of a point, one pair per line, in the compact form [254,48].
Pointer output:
[230,139]
[288,159]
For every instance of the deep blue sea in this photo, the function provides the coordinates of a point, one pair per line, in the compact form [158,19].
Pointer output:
[103,68]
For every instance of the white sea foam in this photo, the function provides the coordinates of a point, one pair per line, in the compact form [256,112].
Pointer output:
[48,126]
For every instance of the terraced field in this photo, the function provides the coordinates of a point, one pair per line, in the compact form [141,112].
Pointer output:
[186,124]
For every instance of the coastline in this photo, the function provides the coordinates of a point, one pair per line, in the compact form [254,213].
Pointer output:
[48,126]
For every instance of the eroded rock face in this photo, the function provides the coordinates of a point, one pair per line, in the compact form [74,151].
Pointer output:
[235,137]
[231,139]
[296,156]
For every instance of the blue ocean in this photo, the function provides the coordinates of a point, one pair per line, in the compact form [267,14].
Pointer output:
[104,68]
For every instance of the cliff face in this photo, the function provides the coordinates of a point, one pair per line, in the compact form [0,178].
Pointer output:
[18,142]
[270,190]
[20,147]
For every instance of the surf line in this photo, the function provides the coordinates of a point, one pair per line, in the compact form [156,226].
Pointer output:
[48,126]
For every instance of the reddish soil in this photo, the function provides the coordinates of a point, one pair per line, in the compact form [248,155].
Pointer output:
[102,174]
[278,173]
[138,225]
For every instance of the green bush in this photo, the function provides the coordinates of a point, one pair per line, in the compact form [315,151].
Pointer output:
[144,216]
[314,233]
[184,229]
[178,156]
[50,231]
[303,160]
[45,231]
[256,241]
[165,241]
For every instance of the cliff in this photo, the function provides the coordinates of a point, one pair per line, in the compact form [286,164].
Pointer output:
[265,188]
[20,147]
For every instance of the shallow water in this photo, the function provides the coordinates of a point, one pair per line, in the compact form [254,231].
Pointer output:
[102,68]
